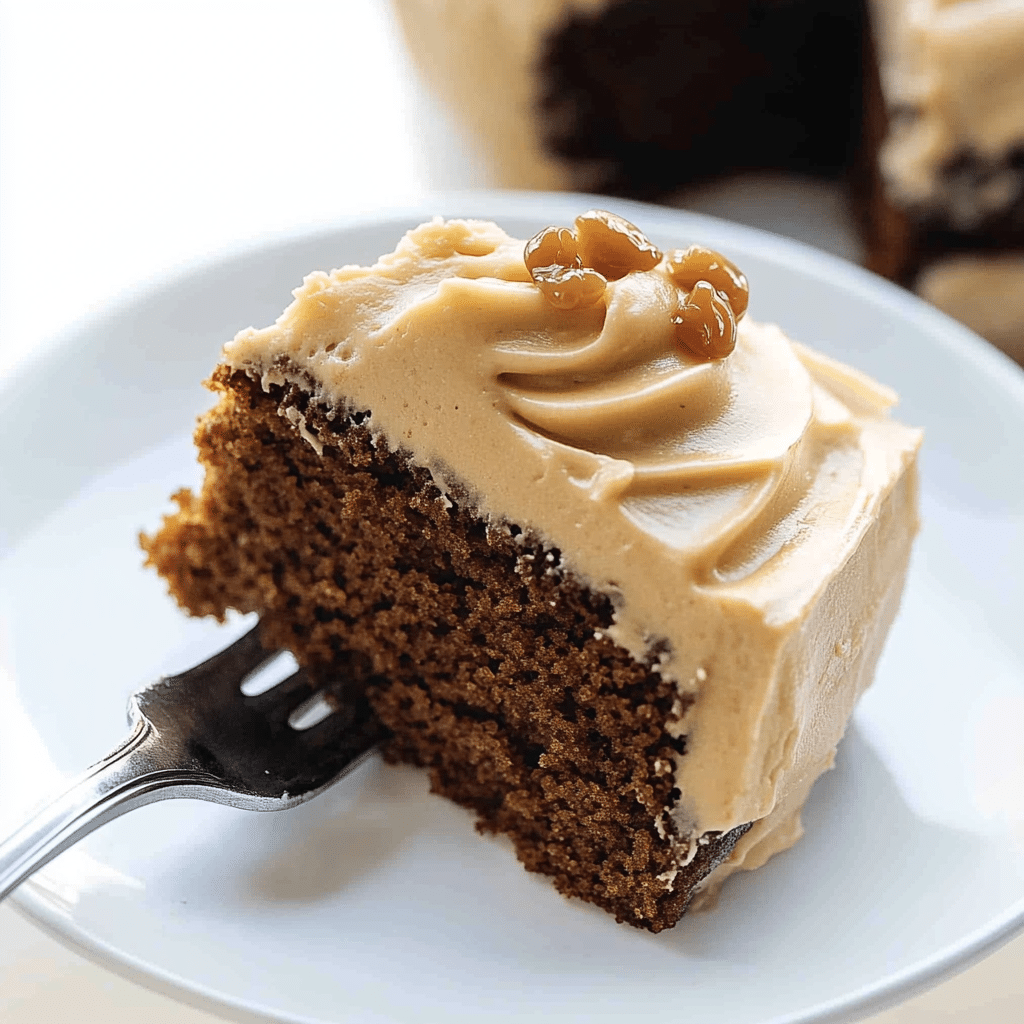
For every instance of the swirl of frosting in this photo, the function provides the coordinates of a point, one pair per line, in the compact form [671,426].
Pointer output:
[718,456]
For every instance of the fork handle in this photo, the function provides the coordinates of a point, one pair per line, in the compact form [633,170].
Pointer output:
[131,776]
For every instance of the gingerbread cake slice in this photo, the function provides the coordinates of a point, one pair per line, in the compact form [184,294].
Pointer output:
[611,561]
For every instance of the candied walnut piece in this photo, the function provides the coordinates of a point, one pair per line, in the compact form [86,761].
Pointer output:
[569,287]
[705,323]
[688,266]
[553,261]
[550,247]
[613,246]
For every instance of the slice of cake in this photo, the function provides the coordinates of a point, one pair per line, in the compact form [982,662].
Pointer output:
[948,219]
[611,561]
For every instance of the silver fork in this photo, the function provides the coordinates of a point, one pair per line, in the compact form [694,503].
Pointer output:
[198,735]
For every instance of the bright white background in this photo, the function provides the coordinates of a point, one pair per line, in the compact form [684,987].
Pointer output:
[136,137]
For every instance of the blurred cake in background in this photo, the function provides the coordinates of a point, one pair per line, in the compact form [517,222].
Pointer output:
[950,162]
[918,104]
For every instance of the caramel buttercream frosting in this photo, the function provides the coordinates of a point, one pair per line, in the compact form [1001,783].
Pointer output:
[749,515]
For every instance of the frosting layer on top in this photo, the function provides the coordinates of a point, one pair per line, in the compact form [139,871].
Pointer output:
[716,502]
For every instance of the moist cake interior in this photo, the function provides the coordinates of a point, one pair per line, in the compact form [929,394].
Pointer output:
[482,654]
[758,85]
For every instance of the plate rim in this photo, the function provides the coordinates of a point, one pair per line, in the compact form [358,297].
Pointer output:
[816,262]
[497,204]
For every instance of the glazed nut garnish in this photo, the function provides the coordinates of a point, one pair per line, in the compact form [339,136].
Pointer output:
[705,323]
[613,246]
[570,287]
[572,268]
[688,266]
[551,247]
[553,260]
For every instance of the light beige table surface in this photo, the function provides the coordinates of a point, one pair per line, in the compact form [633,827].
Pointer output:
[137,137]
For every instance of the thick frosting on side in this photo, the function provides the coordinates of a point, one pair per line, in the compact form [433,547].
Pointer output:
[723,505]
[953,74]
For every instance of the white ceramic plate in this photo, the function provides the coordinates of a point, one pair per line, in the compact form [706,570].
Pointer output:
[378,902]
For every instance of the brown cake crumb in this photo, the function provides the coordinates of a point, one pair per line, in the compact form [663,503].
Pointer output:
[483,656]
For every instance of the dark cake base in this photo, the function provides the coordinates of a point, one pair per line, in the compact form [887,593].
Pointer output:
[650,95]
[482,656]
